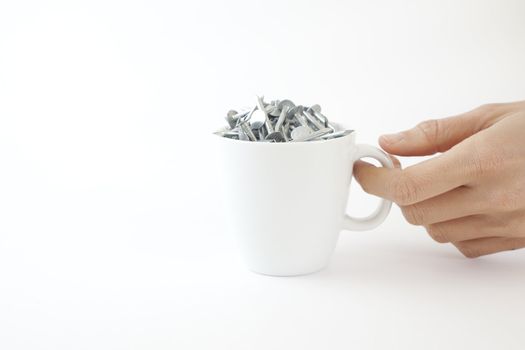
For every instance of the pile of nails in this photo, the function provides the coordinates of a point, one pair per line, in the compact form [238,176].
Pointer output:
[279,121]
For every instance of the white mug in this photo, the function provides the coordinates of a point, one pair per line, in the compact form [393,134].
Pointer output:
[286,201]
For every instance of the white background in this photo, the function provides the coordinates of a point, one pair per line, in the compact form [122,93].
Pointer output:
[111,233]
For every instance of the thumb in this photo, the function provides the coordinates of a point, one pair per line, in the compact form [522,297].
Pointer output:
[432,136]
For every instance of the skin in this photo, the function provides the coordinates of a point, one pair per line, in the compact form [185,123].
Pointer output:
[472,194]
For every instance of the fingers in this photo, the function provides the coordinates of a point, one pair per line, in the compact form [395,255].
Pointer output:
[463,229]
[454,204]
[418,182]
[435,135]
[483,246]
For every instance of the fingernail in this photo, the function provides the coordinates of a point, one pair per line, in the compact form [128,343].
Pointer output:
[390,139]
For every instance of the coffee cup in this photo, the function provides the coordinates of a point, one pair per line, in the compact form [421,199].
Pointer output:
[286,202]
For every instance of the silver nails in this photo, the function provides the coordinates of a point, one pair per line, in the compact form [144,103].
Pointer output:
[312,135]
[268,123]
[275,137]
[316,110]
[282,117]
[301,133]
[313,120]
[286,131]
[279,121]
[246,130]
[335,135]
[273,111]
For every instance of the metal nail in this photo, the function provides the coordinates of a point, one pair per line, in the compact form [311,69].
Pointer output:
[337,134]
[286,131]
[293,111]
[256,125]
[313,135]
[316,109]
[246,130]
[284,103]
[282,117]
[301,119]
[230,118]
[274,111]
[228,133]
[275,137]
[300,133]
[313,120]
[260,104]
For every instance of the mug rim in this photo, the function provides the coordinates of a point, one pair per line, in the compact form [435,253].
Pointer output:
[282,144]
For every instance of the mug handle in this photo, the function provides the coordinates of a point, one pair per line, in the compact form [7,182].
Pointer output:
[379,215]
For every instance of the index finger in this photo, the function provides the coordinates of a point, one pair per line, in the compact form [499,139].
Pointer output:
[417,182]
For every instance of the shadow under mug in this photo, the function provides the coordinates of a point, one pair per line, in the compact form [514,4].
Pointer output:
[286,202]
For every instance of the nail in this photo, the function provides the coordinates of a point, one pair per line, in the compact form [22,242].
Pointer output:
[313,120]
[281,119]
[390,139]
[275,136]
[268,123]
[313,135]
[301,133]
[247,131]
[334,135]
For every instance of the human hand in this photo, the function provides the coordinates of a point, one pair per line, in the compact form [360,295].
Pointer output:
[472,194]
